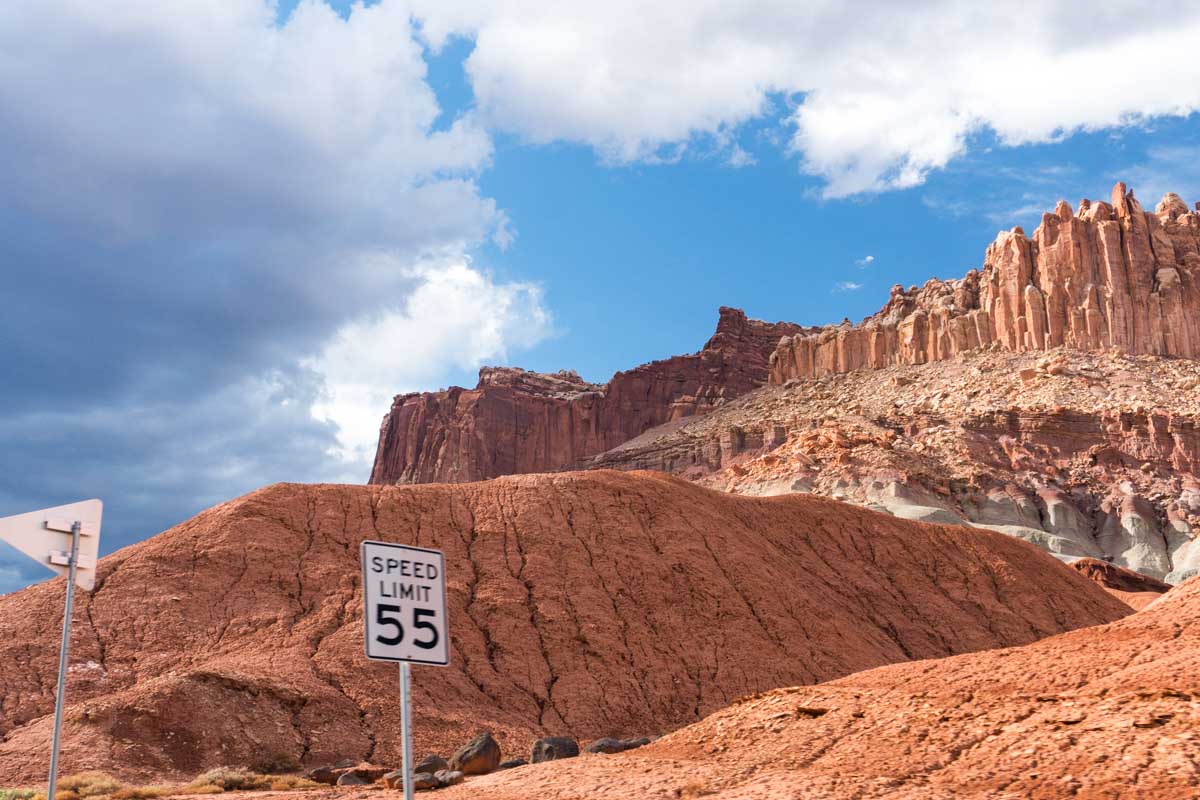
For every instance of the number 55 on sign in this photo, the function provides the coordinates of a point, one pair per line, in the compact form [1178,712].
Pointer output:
[405,592]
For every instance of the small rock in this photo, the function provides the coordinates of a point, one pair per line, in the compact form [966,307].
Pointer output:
[394,779]
[431,763]
[324,775]
[479,756]
[512,763]
[606,744]
[552,748]
[448,777]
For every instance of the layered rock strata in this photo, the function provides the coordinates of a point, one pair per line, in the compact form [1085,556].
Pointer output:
[516,421]
[1086,455]
[1102,276]
[582,604]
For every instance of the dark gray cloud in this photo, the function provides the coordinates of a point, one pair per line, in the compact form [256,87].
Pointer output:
[196,200]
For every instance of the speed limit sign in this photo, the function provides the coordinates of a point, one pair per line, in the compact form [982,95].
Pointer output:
[404,591]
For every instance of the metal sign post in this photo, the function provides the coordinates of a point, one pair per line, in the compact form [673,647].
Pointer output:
[404,619]
[40,535]
[63,653]
[406,728]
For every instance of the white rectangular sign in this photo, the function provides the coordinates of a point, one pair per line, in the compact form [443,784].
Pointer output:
[404,603]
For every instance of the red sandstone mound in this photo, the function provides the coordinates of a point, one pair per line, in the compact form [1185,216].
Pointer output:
[1132,588]
[592,604]
[1106,712]
[516,421]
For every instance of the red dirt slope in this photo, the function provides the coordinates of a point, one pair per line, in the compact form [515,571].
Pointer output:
[1106,712]
[589,603]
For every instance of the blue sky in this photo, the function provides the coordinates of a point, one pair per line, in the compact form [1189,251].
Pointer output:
[233,229]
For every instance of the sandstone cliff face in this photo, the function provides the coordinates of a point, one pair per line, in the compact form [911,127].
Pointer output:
[1104,276]
[590,604]
[515,421]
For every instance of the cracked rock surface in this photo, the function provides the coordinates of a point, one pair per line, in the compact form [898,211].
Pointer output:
[583,604]
[1111,711]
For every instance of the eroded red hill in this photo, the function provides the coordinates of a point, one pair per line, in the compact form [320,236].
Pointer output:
[589,603]
[1106,712]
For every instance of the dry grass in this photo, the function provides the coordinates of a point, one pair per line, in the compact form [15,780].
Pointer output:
[99,786]
[226,779]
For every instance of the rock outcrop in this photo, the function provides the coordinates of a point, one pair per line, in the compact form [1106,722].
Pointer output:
[1105,712]
[1104,276]
[1087,455]
[582,604]
[1132,588]
[516,421]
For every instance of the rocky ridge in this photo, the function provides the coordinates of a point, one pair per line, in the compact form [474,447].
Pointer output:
[515,421]
[584,604]
[1102,276]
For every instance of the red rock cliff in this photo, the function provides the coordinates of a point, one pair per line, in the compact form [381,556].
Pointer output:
[1104,276]
[516,421]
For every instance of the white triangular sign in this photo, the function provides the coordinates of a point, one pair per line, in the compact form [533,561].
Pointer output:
[45,536]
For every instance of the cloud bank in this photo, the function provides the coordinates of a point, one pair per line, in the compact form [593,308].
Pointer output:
[875,95]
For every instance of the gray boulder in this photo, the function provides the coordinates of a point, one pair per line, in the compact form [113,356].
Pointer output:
[424,780]
[431,763]
[448,777]
[512,763]
[606,744]
[553,748]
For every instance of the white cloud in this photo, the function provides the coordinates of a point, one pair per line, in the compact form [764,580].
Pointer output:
[883,92]
[865,261]
[456,316]
[847,286]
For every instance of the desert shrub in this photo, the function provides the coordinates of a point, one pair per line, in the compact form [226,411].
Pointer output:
[142,793]
[88,784]
[229,779]
[17,794]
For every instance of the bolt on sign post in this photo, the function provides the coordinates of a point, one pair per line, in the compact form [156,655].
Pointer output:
[67,540]
[404,616]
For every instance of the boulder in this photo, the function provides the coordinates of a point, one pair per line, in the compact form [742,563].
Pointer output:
[325,775]
[478,757]
[425,780]
[553,748]
[512,763]
[360,775]
[394,779]
[633,744]
[606,744]
[431,763]
[448,777]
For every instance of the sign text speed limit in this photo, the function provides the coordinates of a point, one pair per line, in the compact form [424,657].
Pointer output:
[404,590]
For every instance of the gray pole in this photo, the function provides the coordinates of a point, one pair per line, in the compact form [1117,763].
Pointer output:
[405,730]
[62,660]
